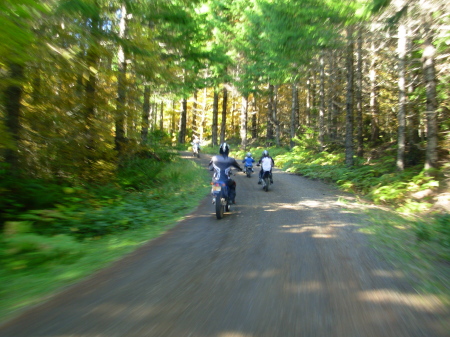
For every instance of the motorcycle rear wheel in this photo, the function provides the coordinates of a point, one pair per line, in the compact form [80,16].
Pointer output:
[219,206]
[266,184]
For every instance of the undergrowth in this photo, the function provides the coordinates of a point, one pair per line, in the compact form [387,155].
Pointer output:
[416,238]
[91,226]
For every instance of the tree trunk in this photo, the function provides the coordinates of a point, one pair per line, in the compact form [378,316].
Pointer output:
[294,114]
[308,103]
[204,114]
[121,84]
[401,114]
[90,100]
[223,125]
[332,113]
[161,116]
[194,114]
[359,103]
[429,72]
[215,118]
[414,153]
[270,122]
[243,130]
[275,116]
[182,133]
[322,102]
[373,100]
[12,97]
[349,101]
[254,120]
[313,111]
[145,114]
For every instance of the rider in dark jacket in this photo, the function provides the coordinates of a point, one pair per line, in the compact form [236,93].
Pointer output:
[221,165]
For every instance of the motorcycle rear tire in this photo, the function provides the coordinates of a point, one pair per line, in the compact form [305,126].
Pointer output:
[219,207]
[266,184]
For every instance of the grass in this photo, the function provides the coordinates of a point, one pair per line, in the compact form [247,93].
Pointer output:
[414,239]
[413,243]
[425,261]
[26,284]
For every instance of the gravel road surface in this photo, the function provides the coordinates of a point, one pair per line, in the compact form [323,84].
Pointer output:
[285,263]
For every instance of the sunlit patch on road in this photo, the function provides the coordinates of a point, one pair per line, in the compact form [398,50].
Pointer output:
[261,274]
[234,334]
[316,231]
[419,302]
[305,287]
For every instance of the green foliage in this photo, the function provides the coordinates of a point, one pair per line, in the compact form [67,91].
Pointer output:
[413,244]
[90,226]
[148,189]
[377,180]
[257,151]
[27,250]
[159,139]
[139,173]
[17,195]
[435,229]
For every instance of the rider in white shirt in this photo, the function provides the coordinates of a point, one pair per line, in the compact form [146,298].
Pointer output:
[266,163]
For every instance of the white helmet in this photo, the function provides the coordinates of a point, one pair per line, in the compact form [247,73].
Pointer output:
[249,154]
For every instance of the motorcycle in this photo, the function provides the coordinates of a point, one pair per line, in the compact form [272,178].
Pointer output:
[196,150]
[248,170]
[266,180]
[221,198]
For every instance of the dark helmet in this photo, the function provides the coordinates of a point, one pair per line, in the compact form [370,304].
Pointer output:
[265,153]
[224,149]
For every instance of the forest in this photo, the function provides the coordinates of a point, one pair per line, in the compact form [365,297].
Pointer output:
[97,94]
[88,84]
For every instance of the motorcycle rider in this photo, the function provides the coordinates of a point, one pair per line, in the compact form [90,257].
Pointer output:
[196,143]
[266,163]
[221,165]
[248,162]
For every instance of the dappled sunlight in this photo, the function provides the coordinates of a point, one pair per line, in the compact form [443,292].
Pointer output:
[305,287]
[415,301]
[316,231]
[388,273]
[261,274]
[312,203]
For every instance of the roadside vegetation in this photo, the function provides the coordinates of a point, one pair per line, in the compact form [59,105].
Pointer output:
[410,228]
[56,234]
[96,97]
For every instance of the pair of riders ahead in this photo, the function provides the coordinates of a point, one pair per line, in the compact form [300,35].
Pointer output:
[266,163]
[222,164]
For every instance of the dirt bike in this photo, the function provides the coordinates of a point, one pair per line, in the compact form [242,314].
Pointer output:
[248,170]
[196,150]
[266,180]
[221,198]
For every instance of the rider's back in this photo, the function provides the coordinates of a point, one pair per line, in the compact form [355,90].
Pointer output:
[221,165]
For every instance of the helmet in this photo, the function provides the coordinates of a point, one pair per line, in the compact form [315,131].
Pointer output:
[249,154]
[224,149]
[265,153]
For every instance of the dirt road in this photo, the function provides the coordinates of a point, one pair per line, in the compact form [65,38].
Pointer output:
[289,263]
